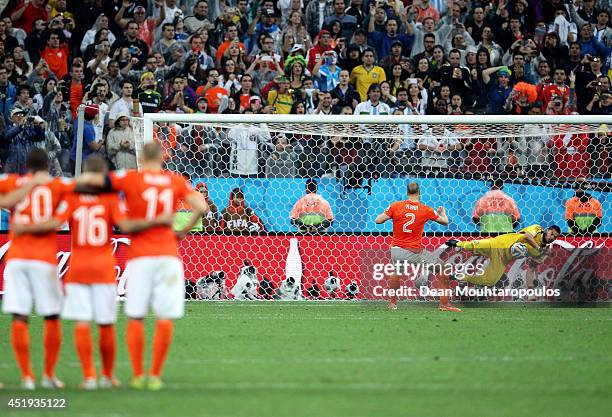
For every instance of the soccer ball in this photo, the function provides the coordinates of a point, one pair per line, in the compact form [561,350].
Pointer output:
[332,284]
[518,250]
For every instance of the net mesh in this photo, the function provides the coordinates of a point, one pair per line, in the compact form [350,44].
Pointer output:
[261,241]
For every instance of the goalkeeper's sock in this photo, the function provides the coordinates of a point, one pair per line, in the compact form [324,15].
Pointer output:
[135,344]
[161,345]
[107,346]
[84,348]
[52,335]
[20,339]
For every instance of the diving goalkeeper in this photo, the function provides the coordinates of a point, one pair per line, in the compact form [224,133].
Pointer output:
[532,240]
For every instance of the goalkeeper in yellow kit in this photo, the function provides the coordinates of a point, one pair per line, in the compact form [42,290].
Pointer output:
[499,250]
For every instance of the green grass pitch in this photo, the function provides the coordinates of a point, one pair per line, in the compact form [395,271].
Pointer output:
[352,359]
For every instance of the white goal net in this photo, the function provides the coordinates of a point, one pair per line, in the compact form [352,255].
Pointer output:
[264,239]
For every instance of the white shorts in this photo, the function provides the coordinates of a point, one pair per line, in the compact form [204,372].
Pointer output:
[87,302]
[28,283]
[157,281]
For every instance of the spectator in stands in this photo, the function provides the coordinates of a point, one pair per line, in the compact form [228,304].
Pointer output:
[24,100]
[196,50]
[22,135]
[126,104]
[56,55]
[373,105]
[210,220]
[181,98]
[316,52]
[231,38]
[90,145]
[263,23]
[316,13]
[571,154]
[136,47]
[27,13]
[102,22]
[245,142]
[8,95]
[99,64]
[363,76]
[237,217]
[280,99]
[312,213]
[499,89]
[423,9]
[120,146]
[215,94]
[198,21]
[601,151]
[583,213]
[496,211]
[281,162]
[437,145]
[327,72]
[348,22]
[58,116]
[384,40]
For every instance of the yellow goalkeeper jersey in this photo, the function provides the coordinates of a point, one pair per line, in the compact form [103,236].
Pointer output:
[506,241]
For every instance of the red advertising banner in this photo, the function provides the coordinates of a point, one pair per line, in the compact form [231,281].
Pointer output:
[575,264]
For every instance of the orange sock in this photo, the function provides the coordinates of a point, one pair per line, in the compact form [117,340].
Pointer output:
[161,345]
[20,338]
[395,284]
[52,336]
[107,349]
[135,344]
[84,348]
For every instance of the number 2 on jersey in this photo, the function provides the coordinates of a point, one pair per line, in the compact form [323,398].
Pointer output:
[153,197]
[410,218]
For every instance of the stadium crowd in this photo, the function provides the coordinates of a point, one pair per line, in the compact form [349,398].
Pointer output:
[124,58]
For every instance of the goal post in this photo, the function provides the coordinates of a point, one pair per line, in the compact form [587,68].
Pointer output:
[254,168]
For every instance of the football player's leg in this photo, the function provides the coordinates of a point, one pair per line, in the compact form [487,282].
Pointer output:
[492,273]
[105,315]
[18,301]
[399,257]
[168,305]
[139,293]
[47,299]
[84,347]
[78,307]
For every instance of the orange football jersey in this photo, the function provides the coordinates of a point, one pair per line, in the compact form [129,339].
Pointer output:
[409,219]
[147,195]
[91,219]
[38,206]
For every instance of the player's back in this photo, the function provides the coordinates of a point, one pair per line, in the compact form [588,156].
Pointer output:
[409,218]
[149,194]
[38,206]
[91,219]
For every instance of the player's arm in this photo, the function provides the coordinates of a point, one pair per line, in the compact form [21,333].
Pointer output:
[199,207]
[442,217]
[139,225]
[11,199]
[382,217]
[528,238]
[36,228]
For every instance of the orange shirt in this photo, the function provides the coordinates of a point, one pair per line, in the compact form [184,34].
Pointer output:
[496,202]
[147,195]
[57,60]
[91,219]
[38,206]
[409,219]
[574,208]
